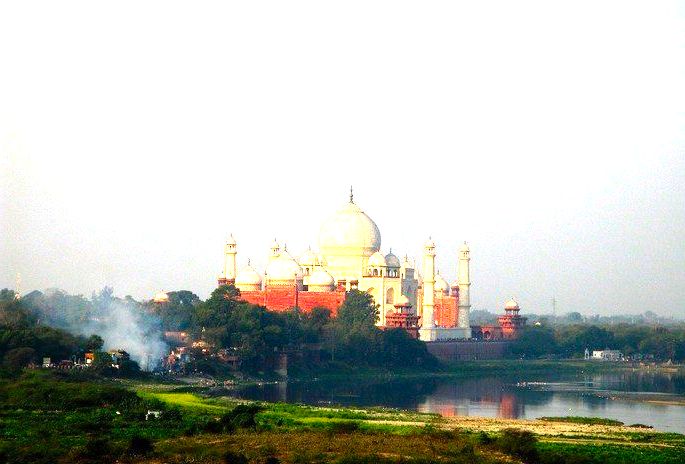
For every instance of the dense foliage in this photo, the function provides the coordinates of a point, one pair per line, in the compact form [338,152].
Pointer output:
[256,334]
[23,340]
[568,341]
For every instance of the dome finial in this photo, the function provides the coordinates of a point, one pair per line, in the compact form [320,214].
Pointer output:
[351,195]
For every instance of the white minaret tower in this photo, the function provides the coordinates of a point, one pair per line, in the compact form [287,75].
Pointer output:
[464,282]
[427,331]
[229,259]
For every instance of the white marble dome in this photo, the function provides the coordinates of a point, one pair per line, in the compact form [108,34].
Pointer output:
[248,279]
[161,297]
[349,232]
[283,270]
[511,304]
[308,258]
[441,284]
[321,280]
[392,260]
[377,260]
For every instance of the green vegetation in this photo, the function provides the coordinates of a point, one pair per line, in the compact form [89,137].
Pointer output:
[65,417]
[582,420]
[23,340]
[568,341]
[351,339]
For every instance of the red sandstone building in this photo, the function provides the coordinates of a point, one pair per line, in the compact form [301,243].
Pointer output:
[509,325]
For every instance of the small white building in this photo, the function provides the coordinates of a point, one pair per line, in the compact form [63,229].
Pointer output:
[607,355]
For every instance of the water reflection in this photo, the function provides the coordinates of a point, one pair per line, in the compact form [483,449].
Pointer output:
[617,395]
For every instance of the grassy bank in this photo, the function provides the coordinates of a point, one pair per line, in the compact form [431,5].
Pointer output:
[297,433]
[46,419]
[463,369]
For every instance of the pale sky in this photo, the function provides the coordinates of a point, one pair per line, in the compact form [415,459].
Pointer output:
[134,136]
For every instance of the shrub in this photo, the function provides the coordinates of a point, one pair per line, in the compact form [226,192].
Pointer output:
[483,438]
[242,416]
[139,446]
[232,457]
[343,427]
[520,443]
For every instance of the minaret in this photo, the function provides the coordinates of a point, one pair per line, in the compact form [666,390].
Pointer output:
[464,281]
[427,331]
[275,250]
[229,260]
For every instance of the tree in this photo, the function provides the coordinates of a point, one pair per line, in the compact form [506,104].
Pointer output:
[359,311]
[94,343]
[18,358]
[177,314]
[534,342]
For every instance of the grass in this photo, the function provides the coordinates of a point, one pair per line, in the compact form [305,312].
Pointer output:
[582,420]
[198,429]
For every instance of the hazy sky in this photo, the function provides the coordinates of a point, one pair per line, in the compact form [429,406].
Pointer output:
[134,136]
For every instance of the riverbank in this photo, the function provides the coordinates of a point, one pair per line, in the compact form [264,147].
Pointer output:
[66,417]
[490,367]
[296,433]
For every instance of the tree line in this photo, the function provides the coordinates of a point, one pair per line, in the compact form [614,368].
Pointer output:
[570,341]
[42,324]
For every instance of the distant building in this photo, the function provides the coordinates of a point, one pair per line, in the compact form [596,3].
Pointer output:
[118,357]
[509,325]
[349,258]
[607,355]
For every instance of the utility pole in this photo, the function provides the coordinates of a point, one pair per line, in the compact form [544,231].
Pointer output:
[554,308]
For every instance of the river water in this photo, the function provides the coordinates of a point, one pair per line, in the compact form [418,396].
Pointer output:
[631,397]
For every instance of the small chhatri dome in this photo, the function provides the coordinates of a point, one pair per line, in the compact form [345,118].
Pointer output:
[430,243]
[231,240]
[349,232]
[511,304]
[248,277]
[308,258]
[161,297]
[441,284]
[321,278]
[464,247]
[377,260]
[283,269]
[392,260]
[402,301]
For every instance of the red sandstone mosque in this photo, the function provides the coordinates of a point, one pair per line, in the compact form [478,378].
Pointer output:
[349,257]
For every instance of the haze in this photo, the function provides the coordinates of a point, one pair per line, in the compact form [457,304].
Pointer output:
[550,135]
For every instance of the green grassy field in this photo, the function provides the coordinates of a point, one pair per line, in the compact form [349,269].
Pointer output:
[62,420]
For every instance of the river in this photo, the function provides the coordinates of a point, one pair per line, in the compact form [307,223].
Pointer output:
[632,397]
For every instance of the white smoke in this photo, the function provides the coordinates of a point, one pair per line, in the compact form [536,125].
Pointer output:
[123,326]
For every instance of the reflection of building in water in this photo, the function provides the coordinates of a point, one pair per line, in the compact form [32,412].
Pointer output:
[509,407]
[487,397]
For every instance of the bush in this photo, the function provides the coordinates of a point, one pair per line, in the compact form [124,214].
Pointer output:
[139,446]
[520,443]
[343,427]
[242,416]
[483,438]
[232,457]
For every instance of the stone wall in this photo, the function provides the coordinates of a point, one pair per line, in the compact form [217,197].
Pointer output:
[468,350]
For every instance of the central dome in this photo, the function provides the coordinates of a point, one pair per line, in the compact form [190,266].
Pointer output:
[349,232]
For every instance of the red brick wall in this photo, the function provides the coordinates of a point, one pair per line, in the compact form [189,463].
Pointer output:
[285,298]
[446,311]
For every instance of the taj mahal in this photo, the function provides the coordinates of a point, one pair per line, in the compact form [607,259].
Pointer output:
[349,257]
